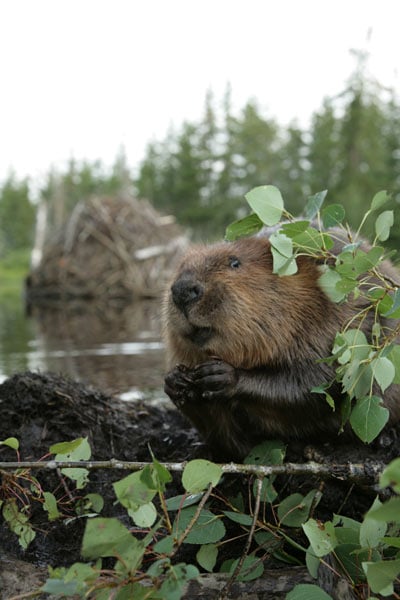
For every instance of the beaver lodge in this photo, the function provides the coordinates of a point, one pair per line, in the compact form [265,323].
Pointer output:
[108,248]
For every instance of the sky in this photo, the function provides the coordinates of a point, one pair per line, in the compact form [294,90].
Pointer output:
[83,78]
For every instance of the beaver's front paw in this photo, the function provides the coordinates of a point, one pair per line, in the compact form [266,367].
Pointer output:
[178,385]
[215,379]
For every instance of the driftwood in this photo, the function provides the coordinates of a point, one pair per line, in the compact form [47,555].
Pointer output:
[19,578]
[109,248]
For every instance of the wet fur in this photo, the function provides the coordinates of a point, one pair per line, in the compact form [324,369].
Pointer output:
[247,351]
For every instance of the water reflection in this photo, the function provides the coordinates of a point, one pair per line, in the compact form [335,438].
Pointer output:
[116,348]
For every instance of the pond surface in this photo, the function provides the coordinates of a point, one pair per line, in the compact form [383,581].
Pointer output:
[116,348]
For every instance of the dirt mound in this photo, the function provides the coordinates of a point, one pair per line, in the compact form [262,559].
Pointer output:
[42,409]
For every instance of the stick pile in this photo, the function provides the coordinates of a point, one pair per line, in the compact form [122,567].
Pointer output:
[110,248]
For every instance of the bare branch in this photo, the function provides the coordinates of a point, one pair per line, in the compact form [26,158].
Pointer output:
[357,472]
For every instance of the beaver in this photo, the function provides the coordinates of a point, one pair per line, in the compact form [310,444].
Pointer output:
[244,346]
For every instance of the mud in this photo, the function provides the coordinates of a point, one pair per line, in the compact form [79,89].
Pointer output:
[42,409]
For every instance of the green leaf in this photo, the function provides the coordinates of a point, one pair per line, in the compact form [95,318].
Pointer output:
[374,256]
[294,510]
[345,410]
[281,265]
[183,500]
[132,492]
[384,371]
[50,506]
[266,201]
[332,215]
[380,575]
[80,476]
[11,442]
[312,563]
[165,545]
[368,418]
[161,475]
[282,244]
[268,540]
[395,306]
[18,522]
[271,452]
[346,285]
[58,587]
[247,226]
[328,282]
[350,556]
[177,577]
[268,492]
[207,556]
[394,356]
[361,262]
[356,377]
[93,502]
[355,340]
[391,476]
[81,573]
[295,228]
[109,537]
[314,203]
[307,591]
[198,474]
[66,448]
[159,567]
[322,389]
[394,542]
[237,517]
[383,299]
[144,516]
[251,568]
[282,253]
[388,511]
[313,242]
[321,536]
[383,224]
[346,524]
[371,530]
[379,200]
[208,529]
[75,450]
[126,592]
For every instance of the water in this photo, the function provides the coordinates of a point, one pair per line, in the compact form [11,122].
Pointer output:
[115,348]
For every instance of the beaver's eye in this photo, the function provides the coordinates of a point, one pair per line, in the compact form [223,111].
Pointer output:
[234,262]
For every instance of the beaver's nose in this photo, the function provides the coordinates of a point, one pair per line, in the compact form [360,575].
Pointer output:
[186,292]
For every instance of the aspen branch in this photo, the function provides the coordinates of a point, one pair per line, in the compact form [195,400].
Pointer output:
[358,472]
[227,588]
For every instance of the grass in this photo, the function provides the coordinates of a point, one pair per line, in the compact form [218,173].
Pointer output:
[13,270]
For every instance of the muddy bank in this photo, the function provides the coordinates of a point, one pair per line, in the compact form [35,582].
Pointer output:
[42,409]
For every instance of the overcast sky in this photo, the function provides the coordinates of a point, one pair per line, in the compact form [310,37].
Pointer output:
[83,77]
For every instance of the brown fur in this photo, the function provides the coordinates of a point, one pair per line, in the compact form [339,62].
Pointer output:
[248,347]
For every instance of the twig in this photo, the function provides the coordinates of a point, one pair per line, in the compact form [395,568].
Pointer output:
[225,590]
[26,595]
[357,472]
[196,515]
[63,483]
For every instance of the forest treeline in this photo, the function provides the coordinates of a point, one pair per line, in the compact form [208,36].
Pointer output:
[201,170]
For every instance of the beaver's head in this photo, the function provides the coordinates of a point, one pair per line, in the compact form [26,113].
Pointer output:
[226,302]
